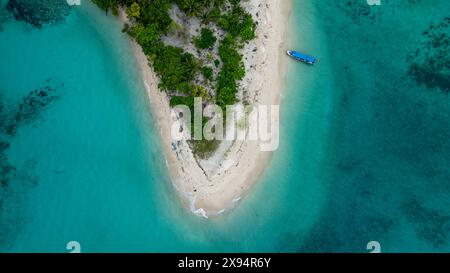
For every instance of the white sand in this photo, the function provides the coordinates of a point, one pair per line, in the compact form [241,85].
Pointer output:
[213,186]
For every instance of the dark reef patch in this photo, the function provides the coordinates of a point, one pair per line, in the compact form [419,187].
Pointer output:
[28,110]
[39,12]
[360,217]
[4,17]
[429,64]
[13,179]
[360,12]
[432,225]
[32,105]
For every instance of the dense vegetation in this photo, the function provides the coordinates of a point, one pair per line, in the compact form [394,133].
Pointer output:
[205,40]
[177,69]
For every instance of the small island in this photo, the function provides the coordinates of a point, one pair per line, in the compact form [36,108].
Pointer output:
[223,51]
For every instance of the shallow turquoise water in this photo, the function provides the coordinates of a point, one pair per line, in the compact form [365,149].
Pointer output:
[364,150]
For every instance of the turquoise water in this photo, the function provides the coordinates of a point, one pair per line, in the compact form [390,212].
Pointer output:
[364,150]
[390,143]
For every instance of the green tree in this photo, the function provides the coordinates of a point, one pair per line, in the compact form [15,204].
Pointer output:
[205,40]
[190,7]
[207,73]
[148,37]
[200,91]
[134,10]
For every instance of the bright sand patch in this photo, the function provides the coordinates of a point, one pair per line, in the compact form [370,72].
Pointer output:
[210,187]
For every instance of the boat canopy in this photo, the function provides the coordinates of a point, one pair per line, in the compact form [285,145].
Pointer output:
[302,56]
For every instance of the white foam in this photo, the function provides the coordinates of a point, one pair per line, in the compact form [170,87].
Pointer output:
[199,212]
[147,86]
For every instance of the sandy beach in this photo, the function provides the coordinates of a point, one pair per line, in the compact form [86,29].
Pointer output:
[211,187]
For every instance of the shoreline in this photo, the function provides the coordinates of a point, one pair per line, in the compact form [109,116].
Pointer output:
[211,194]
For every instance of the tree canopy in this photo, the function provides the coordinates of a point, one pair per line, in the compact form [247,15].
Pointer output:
[205,40]
[177,69]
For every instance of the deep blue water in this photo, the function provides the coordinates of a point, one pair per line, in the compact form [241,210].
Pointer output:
[364,152]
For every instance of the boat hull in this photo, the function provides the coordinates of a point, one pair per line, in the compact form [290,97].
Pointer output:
[301,57]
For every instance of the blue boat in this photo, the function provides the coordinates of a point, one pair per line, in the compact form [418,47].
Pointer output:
[301,57]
